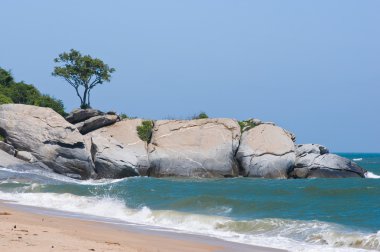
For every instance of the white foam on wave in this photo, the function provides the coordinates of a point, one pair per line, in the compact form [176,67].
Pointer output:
[286,234]
[371,175]
[357,159]
[62,178]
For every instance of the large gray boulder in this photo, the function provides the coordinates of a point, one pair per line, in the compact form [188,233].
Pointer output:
[266,151]
[80,115]
[314,161]
[194,148]
[118,151]
[48,137]
[96,122]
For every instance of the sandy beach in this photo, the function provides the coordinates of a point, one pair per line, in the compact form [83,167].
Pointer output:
[23,230]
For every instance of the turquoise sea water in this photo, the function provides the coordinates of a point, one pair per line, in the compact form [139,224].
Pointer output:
[299,215]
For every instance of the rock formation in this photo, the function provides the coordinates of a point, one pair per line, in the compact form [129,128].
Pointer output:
[315,161]
[38,137]
[194,148]
[87,120]
[117,150]
[266,151]
[48,137]
[80,115]
[96,122]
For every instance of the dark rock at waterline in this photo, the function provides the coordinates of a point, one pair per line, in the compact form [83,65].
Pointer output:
[48,137]
[314,161]
[80,115]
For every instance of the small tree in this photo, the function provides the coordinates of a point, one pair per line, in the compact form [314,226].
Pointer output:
[82,71]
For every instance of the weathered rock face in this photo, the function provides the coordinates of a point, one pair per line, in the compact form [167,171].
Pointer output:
[195,148]
[118,151]
[96,122]
[80,115]
[26,156]
[48,137]
[314,161]
[11,162]
[266,151]
[7,148]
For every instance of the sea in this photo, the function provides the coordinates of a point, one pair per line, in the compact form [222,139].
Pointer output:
[294,214]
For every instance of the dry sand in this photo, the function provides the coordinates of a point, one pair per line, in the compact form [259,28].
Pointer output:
[22,230]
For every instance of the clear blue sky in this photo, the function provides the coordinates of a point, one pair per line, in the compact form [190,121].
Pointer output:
[312,67]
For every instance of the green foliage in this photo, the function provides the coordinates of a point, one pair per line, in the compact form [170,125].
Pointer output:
[123,116]
[5,99]
[247,125]
[2,138]
[5,77]
[201,115]
[145,130]
[51,102]
[22,93]
[82,71]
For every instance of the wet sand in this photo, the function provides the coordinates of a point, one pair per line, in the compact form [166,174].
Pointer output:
[24,228]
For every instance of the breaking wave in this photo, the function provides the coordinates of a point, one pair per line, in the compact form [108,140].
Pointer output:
[293,235]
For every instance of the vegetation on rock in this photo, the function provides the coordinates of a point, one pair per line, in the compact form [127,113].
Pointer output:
[145,130]
[247,124]
[22,93]
[123,116]
[82,72]
[201,115]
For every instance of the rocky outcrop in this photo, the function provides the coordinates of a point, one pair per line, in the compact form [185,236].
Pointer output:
[96,122]
[39,138]
[194,148]
[266,151]
[118,151]
[80,115]
[48,137]
[315,161]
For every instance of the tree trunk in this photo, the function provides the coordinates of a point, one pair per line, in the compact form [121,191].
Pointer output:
[88,98]
[84,101]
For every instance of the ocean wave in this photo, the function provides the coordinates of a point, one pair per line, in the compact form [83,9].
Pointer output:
[62,178]
[371,175]
[293,235]
[357,159]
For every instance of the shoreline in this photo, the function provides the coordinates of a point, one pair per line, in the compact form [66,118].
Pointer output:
[27,228]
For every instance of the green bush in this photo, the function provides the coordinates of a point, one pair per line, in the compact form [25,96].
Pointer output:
[123,116]
[22,93]
[247,125]
[145,130]
[201,115]
[50,102]
[5,77]
[2,138]
[5,99]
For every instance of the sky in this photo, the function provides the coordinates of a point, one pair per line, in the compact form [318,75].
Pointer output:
[312,67]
